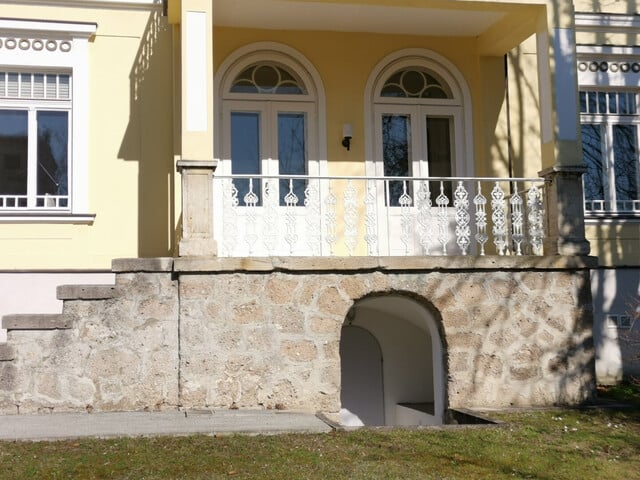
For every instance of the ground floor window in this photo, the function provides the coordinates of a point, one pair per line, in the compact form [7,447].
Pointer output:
[35,111]
[610,123]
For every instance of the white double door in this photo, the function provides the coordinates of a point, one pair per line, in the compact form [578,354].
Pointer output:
[413,141]
[266,138]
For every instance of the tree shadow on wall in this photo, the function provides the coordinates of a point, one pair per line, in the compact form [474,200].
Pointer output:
[148,139]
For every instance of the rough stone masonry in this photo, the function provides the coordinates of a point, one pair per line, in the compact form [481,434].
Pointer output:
[265,333]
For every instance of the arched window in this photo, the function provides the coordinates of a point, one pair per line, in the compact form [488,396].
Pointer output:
[269,116]
[270,123]
[419,123]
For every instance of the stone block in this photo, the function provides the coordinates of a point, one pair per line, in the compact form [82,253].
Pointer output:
[158,264]
[39,321]
[7,352]
[299,351]
[86,292]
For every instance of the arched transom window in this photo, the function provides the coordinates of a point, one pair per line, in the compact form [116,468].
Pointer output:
[415,83]
[264,78]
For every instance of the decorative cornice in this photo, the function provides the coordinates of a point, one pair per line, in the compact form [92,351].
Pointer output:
[35,44]
[604,66]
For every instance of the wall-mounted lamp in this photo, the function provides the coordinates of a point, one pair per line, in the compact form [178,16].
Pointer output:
[347,134]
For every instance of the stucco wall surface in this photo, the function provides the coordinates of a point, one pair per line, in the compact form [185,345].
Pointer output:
[271,340]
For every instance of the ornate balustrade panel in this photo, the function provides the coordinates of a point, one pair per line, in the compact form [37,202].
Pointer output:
[378,216]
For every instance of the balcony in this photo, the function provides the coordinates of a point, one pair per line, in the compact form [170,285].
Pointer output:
[270,215]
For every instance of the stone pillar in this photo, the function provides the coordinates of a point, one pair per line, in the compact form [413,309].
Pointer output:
[194,122]
[196,236]
[561,150]
[565,234]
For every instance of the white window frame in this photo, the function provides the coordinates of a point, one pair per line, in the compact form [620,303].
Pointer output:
[606,122]
[271,52]
[57,47]
[458,106]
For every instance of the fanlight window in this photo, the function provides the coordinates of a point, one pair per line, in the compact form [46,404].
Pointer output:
[415,84]
[267,78]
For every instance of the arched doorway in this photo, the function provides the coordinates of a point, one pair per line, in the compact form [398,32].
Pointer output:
[391,364]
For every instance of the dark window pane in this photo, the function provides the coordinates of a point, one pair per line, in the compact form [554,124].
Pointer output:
[602,102]
[292,158]
[395,151]
[613,102]
[439,153]
[592,154]
[583,102]
[245,151]
[625,161]
[13,152]
[591,104]
[53,142]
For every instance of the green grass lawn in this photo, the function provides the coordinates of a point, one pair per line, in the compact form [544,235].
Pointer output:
[546,444]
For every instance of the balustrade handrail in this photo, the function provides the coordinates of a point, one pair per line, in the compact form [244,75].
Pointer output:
[377,177]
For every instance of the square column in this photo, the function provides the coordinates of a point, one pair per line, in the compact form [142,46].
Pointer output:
[196,233]
[193,20]
[561,147]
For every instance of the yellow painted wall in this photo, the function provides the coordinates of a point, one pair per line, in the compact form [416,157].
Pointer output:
[130,147]
[615,244]
[345,61]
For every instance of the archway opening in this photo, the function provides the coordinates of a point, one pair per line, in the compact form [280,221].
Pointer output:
[391,364]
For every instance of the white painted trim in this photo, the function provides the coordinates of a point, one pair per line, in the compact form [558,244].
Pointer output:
[544,86]
[565,82]
[609,21]
[75,60]
[449,72]
[196,71]
[72,29]
[40,217]
[609,50]
[124,4]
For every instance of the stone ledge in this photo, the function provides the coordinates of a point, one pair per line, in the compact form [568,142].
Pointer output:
[434,263]
[86,292]
[125,265]
[38,321]
[7,352]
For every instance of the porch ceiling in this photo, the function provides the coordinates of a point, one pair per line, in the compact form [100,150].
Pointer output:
[504,24]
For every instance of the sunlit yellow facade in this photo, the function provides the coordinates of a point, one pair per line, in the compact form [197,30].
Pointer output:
[141,123]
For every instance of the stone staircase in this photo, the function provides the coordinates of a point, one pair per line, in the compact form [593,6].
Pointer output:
[113,347]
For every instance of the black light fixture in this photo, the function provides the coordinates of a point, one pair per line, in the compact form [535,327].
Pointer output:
[347,134]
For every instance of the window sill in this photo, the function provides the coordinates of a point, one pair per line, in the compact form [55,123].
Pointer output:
[598,217]
[47,217]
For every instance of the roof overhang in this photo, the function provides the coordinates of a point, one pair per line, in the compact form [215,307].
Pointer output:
[498,26]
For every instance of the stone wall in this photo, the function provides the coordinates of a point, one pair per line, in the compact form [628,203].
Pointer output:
[265,333]
[119,354]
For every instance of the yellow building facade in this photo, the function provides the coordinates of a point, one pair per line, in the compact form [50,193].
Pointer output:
[161,97]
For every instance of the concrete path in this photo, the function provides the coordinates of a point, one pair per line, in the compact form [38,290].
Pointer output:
[58,426]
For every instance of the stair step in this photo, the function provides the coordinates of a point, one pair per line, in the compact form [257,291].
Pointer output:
[86,292]
[6,352]
[38,321]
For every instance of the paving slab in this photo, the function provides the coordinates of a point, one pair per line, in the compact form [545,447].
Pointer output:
[60,426]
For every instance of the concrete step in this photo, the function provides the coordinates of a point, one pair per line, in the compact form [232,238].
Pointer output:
[86,292]
[38,321]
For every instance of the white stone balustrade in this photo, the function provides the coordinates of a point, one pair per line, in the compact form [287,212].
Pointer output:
[262,215]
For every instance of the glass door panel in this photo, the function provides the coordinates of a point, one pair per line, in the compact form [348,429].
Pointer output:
[292,154]
[396,153]
[245,151]
[438,137]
